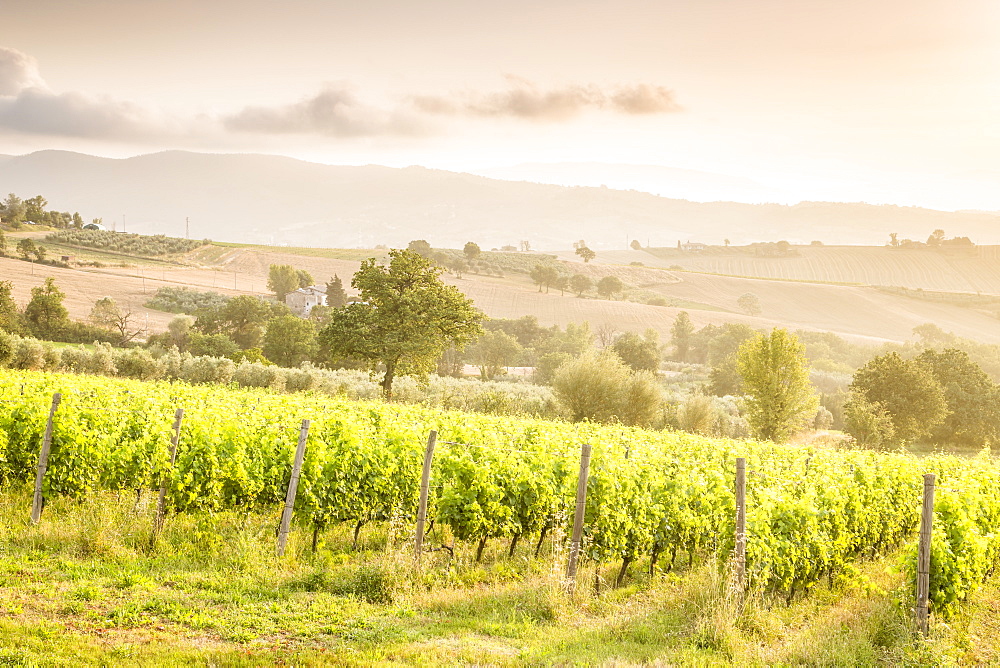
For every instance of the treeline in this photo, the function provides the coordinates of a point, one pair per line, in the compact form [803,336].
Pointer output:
[45,317]
[16,212]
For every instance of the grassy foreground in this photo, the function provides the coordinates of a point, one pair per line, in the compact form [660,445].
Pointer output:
[84,588]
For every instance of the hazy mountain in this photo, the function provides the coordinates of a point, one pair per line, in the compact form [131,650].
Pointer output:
[270,199]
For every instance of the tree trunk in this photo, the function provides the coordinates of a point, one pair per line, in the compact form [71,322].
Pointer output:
[315,537]
[624,569]
[479,550]
[513,545]
[357,531]
[673,557]
[541,539]
[390,374]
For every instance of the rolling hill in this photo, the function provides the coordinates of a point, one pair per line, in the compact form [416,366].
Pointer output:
[277,200]
[975,270]
[859,313]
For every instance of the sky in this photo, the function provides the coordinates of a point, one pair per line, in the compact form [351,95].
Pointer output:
[882,101]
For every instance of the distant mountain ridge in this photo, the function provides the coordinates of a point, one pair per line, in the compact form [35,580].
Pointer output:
[279,200]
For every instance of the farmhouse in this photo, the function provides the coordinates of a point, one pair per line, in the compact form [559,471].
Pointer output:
[690,247]
[302,300]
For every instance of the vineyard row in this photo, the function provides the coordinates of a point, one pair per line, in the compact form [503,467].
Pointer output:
[809,512]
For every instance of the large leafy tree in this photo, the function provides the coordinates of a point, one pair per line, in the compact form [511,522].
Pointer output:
[26,248]
[493,352]
[544,275]
[289,341]
[906,390]
[12,211]
[45,312]
[609,286]
[775,375]
[282,279]
[406,317]
[472,250]
[580,284]
[242,319]
[680,335]
[10,319]
[641,353]
[973,398]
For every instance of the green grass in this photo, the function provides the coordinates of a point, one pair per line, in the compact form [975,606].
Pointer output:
[84,588]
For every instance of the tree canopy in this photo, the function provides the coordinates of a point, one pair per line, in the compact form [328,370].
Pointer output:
[544,275]
[289,341]
[908,392]
[609,286]
[406,317]
[282,279]
[973,399]
[775,374]
[45,312]
[640,353]
[680,335]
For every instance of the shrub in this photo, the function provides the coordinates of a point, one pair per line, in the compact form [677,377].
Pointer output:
[254,374]
[695,415]
[29,354]
[102,360]
[139,364]
[301,379]
[202,370]
[6,348]
[600,387]
[52,358]
[823,419]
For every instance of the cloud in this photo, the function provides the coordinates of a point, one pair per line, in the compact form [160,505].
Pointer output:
[524,100]
[37,111]
[644,99]
[28,106]
[18,71]
[334,112]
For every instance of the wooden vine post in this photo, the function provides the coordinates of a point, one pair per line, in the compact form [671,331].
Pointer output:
[43,462]
[425,479]
[740,552]
[293,486]
[161,502]
[581,505]
[924,555]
